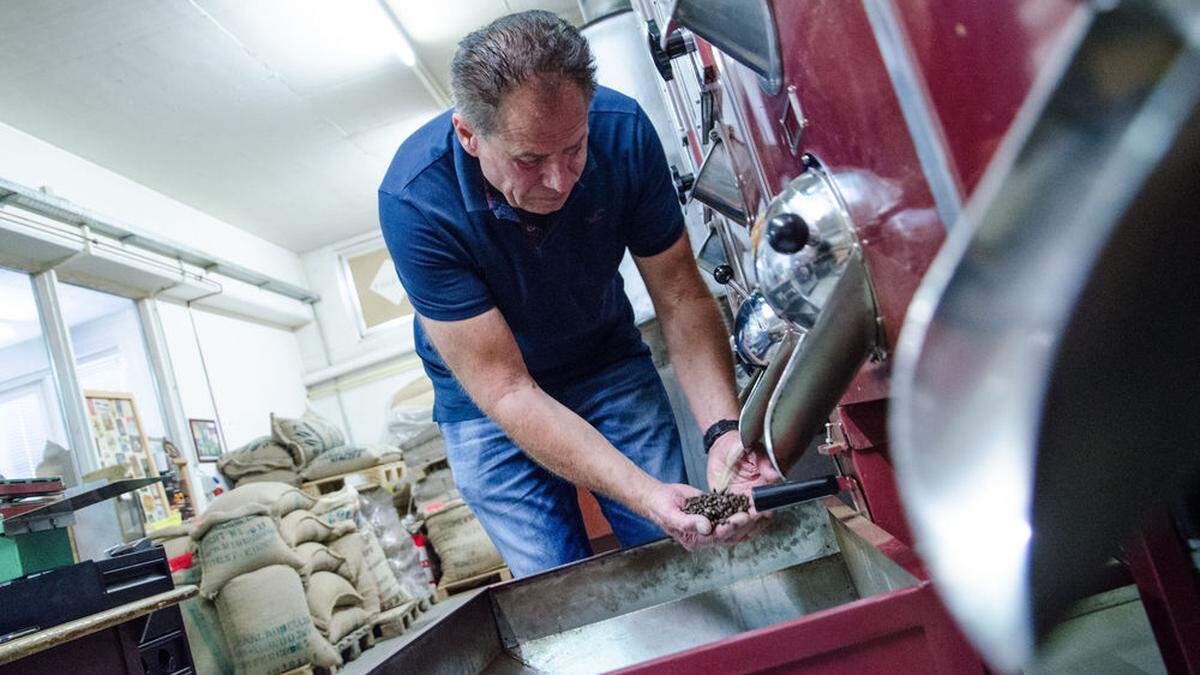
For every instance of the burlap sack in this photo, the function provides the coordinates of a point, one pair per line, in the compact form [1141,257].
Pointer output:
[428,451]
[236,542]
[306,437]
[338,507]
[327,592]
[350,458]
[461,543]
[434,488]
[280,498]
[267,624]
[285,476]
[258,456]
[206,639]
[345,621]
[390,593]
[316,557]
[172,531]
[175,547]
[352,548]
[300,526]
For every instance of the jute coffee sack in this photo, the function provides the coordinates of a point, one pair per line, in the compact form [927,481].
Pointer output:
[236,542]
[338,507]
[390,593]
[306,437]
[352,547]
[268,626]
[316,557]
[172,531]
[350,458]
[461,543]
[260,455]
[176,540]
[298,527]
[285,476]
[280,498]
[425,452]
[206,638]
[326,592]
[345,621]
[433,487]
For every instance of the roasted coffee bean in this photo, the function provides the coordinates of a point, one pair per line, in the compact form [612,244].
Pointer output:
[718,507]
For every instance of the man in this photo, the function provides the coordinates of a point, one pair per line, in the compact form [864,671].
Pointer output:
[507,218]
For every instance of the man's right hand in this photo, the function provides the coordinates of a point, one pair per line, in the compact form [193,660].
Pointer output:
[663,504]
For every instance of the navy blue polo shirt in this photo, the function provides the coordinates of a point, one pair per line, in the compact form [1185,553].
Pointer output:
[460,249]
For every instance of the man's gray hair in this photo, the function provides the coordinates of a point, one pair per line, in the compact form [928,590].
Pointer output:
[511,50]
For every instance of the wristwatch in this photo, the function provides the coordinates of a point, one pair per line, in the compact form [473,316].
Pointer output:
[717,430]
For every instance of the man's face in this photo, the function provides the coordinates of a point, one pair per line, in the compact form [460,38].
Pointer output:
[540,148]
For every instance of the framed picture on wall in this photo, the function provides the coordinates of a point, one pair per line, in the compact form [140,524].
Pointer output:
[371,285]
[207,438]
[123,448]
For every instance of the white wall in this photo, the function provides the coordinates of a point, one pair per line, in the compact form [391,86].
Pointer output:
[336,315]
[34,163]
[253,369]
[357,399]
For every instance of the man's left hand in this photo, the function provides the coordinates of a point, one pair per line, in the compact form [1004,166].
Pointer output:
[753,468]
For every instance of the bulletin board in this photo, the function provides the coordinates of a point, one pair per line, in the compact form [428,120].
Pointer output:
[121,441]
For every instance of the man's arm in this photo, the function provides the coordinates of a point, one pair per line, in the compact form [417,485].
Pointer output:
[698,345]
[485,359]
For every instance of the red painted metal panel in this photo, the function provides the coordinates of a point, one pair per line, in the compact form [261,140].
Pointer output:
[979,61]
[1167,582]
[865,428]
[856,128]
[873,468]
[905,631]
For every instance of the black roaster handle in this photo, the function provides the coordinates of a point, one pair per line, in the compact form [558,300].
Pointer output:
[787,233]
[769,497]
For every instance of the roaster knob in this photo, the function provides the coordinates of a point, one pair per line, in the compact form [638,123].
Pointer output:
[683,183]
[723,274]
[677,45]
[787,233]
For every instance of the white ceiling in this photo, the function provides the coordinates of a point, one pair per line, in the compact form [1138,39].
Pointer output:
[277,116]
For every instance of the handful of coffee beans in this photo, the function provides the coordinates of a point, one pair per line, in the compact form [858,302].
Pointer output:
[718,507]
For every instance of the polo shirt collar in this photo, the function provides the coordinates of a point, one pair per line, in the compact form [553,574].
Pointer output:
[479,195]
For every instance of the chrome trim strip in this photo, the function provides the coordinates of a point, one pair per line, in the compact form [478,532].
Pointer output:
[923,126]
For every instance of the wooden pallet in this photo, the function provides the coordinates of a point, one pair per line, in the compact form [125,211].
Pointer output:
[370,477]
[396,621]
[311,670]
[495,576]
[353,645]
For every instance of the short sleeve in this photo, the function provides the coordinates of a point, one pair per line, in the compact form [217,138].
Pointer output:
[436,272]
[655,221]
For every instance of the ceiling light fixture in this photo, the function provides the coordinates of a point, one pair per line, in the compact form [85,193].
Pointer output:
[403,46]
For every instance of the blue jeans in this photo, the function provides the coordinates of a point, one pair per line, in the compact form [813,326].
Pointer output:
[532,515]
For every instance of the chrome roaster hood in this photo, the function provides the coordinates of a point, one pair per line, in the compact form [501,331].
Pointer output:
[1045,379]
[811,273]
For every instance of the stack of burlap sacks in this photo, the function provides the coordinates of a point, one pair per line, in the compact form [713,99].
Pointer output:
[210,653]
[285,579]
[459,541]
[253,577]
[300,449]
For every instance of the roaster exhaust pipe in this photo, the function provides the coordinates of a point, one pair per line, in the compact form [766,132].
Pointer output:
[810,271]
[821,368]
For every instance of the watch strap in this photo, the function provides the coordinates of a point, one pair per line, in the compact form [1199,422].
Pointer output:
[717,430]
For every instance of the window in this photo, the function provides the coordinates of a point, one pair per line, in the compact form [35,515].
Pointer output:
[110,351]
[29,406]
[26,428]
